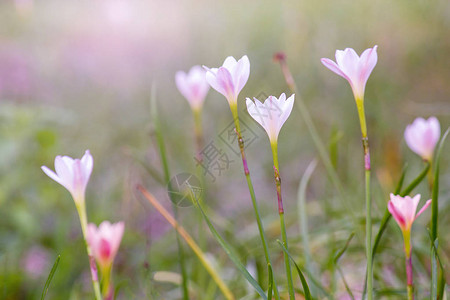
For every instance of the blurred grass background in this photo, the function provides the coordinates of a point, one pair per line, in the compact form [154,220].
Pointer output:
[77,75]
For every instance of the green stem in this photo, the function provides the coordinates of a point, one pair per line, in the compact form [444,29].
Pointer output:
[106,282]
[274,146]
[409,268]
[434,274]
[434,188]
[252,194]
[410,290]
[286,258]
[367,168]
[81,208]
[369,237]
[198,132]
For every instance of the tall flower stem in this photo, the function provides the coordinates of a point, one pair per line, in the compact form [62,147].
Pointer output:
[409,274]
[367,166]
[282,223]
[434,215]
[81,208]
[252,193]
[107,288]
[409,269]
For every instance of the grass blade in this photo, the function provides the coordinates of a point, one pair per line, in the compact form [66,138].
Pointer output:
[416,181]
[336,259]
[190,241]
[347,288]
[435,193]
[399,186]
[441,284]
[342,251]
[302,212]
[434,218]
[50,277]
[269,292]
[300,274]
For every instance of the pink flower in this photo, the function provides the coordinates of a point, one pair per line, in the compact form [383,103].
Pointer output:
[422,136]
[73,174]
[353,68]
[403,209]
[193,86]
[230,78]
[105,241]
[271,114]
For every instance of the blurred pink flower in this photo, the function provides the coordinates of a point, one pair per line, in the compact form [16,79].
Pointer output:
[353,68]
[271,114]
[118,62]
[403,209]
[73,174]
[422,136]
[16,72]
[230,78]
[36,262]
[105,241]
[193,86]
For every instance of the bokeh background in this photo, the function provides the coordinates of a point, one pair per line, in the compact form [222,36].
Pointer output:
[77,75]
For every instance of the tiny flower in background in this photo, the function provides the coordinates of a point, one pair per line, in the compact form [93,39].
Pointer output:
[403,209]
[230,78]
[73,174]
[105,241]
[271,114]
[356,69]
[193,86]
[422,136]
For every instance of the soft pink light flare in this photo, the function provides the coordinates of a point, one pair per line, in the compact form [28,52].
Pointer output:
[17,73]
[403,209]
[230,78]
[356,69]
[422,136]
[271,114]
[73,174]
[105,241]
[36,262]
[193,86]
